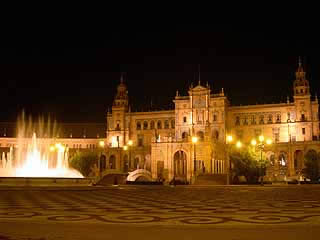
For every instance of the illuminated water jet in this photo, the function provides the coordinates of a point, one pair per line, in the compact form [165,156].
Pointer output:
[36,157]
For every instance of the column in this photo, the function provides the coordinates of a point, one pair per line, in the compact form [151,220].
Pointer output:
[291,162]
[154,168]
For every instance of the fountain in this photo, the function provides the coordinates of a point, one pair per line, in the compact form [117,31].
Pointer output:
[34,157]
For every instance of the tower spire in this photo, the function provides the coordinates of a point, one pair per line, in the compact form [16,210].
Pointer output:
[301,84]
[199,79]
[121,77]
[300,67]
[299,61]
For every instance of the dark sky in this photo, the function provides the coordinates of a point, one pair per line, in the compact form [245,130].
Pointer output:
[74,78]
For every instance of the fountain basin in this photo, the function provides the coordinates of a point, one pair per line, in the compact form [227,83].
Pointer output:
[45,181]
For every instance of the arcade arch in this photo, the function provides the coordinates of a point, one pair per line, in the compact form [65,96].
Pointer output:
[125,163]
[180,165]
[112,162]
[200,135]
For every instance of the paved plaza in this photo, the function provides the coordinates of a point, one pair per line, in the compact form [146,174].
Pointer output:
[161,212]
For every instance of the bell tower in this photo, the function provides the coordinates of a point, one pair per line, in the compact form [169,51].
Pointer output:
[303,105]
[117,127]
[121,99]
[301,84]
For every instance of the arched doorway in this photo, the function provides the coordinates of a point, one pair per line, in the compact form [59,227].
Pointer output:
[185,136]
[200,135]
[283,163]
[215,135]
[112,162]
[125,163]
[270,158]
[147,162]
[271,163]
[180,165]
[103,163]
[298,161]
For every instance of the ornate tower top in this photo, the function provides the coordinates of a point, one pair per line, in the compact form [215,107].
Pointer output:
[121,98]
[199,77]
[301,84]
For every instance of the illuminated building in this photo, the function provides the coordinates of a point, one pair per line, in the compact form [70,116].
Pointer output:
[160,142]
[162,139]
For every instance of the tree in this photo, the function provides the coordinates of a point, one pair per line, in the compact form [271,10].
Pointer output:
[312,165]
[246,162]
[84,162]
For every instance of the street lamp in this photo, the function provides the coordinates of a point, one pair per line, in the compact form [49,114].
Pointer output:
[125,148]
[260,145]
[229,140]
[130,143]
[194,141]
[238,144]
[101,143]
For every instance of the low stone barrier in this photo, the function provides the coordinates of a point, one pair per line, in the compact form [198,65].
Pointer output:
[33,181]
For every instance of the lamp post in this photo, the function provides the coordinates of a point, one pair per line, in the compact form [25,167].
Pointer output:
[130,143]
[229,140]
[125,168]
[101,146]
[194,141]
[238,145]
[261,145]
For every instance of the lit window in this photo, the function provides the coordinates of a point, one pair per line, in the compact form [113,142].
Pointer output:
[140,140]
[114,142]
[145,125]
[253,120]
[184,135]
[152,125]
[261,119]
[172,123]
[245,121]
[214,117]
[138,126]
[237,120]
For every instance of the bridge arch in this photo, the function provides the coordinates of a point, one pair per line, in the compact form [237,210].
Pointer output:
[139,174]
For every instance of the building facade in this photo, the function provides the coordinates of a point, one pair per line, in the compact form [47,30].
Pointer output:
[161,142]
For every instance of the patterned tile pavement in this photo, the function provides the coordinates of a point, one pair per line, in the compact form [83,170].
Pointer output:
[163,205]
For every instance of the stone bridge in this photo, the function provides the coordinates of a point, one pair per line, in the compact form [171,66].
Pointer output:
[133,176]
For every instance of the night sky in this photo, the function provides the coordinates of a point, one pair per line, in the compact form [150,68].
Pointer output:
[74,78]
